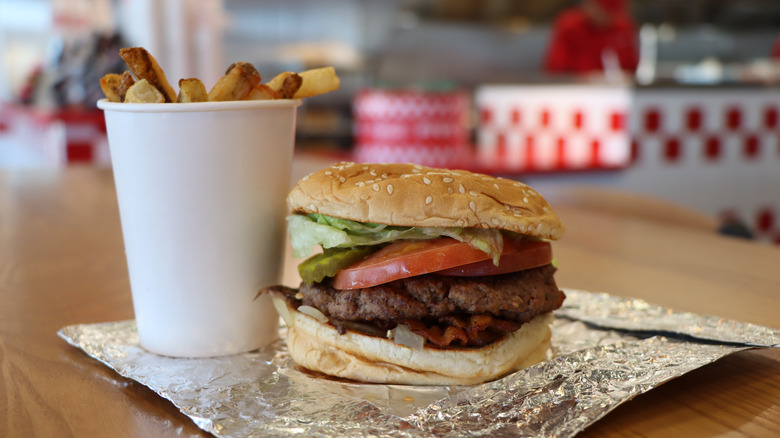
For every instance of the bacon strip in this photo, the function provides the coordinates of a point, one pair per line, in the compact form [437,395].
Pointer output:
[466,331]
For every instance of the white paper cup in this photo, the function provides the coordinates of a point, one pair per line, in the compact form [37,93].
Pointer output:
[201,190]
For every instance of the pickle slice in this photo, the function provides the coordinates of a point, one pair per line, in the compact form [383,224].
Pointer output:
[332,260]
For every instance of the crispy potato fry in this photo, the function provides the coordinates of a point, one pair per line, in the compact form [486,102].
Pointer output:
[286,84]
[144,92]
[127,82]
[192,90]
[144,66]
[263,92]
[110,86]
[238,81]
[146,83]
[318,81]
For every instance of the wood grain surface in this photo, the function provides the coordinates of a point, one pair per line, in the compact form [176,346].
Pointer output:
[62,262]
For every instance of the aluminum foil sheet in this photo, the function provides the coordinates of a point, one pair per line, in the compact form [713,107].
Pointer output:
[607,351]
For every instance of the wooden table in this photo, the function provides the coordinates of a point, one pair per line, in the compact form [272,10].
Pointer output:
[62,262]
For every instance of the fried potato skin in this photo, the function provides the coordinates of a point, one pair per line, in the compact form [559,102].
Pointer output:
[237,83]
[144,92]
[192,90]
[145,66]
[263,92]
[110,85]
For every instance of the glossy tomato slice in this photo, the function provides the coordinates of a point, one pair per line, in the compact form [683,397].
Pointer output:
[404,259]
[517,256]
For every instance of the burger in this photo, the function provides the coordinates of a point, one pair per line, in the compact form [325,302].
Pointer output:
[426,276]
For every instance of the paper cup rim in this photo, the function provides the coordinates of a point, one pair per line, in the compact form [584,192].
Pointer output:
[232,105]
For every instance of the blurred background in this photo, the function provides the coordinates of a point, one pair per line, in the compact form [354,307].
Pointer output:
[674,99]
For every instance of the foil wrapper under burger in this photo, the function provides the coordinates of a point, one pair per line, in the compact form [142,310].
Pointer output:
[607,351]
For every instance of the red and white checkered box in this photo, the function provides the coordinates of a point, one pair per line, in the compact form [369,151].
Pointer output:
[428,128]
[552,128]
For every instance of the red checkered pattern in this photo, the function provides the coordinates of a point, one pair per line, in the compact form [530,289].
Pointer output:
[410,126]
[719,148]
[552,128]
[746,120]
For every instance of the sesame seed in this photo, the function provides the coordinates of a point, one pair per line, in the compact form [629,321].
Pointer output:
[389,189]
[305,177]
[384,176]
[360,184]
[496,221]
[365,167]
[473,206]
[342,179]
[525,200]
[539,228]
[461,189]
[328,172]
[473,193]
[428,200]
[375,187]
[545,209]
[372,172]
[447,179]
[426,180]
[495,186]
[449,190]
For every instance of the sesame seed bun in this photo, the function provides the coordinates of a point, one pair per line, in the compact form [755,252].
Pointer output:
[319,347]
[414,195]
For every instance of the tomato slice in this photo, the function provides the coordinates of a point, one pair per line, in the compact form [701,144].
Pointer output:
[404,259]
[444,256]
[525,254]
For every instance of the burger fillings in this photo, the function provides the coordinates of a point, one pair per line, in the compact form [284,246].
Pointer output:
[428,276]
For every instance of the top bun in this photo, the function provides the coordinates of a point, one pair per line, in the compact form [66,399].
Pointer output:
[416,196]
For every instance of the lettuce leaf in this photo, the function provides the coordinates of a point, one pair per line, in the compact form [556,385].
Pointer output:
[308,231]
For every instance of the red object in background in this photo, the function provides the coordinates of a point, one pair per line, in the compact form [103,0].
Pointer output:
[85,129]
[693,119]
[712,148]
[733,118]
[617,121]
[672,150]
[577,44]
[751,147]
[770,118]
[652,120]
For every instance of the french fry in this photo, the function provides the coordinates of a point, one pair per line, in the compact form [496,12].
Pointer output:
[286,84]
[192,90]
[144,92]
[263,92]
[146,83]
[318,81]
[238,81]
[110,86]
[125,84]
[144,66]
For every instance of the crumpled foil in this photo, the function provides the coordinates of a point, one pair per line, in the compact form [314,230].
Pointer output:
[607,350]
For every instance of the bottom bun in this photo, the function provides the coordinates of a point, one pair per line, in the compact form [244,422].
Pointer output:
[365,358]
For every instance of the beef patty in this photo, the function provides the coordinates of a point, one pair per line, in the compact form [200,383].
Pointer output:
[438,300]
